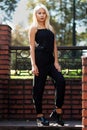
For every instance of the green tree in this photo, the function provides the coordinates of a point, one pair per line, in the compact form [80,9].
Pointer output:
[20,36]
[82,39]
[7,7]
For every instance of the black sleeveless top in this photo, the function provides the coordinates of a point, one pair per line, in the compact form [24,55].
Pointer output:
[45,40]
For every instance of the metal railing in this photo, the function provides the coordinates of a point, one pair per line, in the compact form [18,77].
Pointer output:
[69,59]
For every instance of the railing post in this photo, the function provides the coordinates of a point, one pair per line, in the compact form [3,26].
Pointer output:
[5,40]
[84,93]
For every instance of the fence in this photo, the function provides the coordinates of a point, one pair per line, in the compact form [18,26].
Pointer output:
[69,59]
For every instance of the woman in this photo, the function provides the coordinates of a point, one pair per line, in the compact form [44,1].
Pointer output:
[44,60]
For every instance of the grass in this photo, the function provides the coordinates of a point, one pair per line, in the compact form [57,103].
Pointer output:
[26,74]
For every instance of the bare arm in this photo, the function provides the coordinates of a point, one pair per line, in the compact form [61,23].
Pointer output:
[56,57]
[32,33]
[56,64]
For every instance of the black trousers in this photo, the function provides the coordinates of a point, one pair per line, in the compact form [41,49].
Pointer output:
[45,69]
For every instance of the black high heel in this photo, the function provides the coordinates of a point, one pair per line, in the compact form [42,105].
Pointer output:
[57,117]
[42,121]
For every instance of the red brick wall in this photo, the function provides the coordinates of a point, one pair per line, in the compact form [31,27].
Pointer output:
[16,100]
[84,93]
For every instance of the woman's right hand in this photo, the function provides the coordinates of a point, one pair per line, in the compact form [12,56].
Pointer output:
[35,70]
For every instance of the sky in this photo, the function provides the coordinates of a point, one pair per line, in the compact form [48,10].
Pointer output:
[20,15]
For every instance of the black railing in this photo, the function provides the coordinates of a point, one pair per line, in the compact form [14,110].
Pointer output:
[69,59]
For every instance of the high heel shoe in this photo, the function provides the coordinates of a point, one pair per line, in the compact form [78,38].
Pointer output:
[42,121]
[57,117]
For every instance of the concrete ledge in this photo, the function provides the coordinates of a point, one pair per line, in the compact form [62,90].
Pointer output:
[40,128]
[31,125]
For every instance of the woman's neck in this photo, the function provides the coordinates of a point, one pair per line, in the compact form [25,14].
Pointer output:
[41,25]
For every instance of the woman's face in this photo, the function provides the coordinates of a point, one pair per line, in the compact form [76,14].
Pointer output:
[41,15]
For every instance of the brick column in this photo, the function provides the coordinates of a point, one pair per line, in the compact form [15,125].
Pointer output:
[5,40]
[84,93]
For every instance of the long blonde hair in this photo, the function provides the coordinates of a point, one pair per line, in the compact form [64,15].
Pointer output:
[47,22]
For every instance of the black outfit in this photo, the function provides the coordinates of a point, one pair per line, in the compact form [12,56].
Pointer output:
[45,62]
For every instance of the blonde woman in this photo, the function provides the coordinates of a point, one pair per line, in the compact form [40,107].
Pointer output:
[44,60]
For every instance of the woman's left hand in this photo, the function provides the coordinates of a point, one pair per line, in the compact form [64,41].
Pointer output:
[57,66]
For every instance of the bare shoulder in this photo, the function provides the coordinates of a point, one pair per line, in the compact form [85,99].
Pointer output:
[32,29]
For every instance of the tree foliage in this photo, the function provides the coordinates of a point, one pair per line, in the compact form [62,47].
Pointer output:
[20,36]
[7,7]
[61,18]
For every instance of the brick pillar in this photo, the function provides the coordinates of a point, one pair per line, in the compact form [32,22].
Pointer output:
[84,93]
[5,40]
